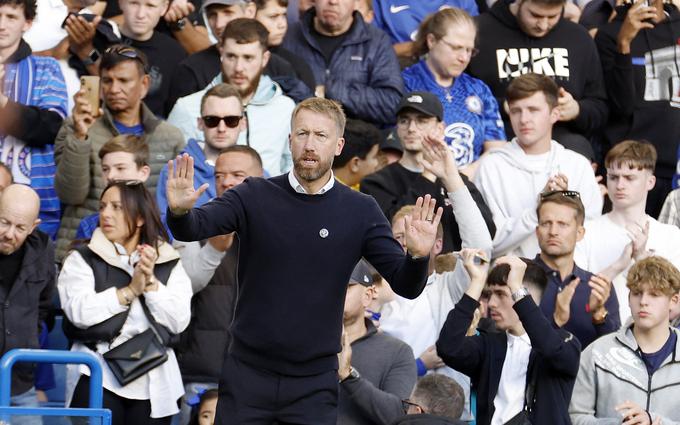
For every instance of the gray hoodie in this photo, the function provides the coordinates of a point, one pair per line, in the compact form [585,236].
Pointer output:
[612,371]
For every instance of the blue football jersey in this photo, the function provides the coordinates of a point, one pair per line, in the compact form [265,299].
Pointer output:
[471,114]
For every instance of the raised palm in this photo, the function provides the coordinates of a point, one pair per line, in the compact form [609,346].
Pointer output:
[421,226]
[180,185]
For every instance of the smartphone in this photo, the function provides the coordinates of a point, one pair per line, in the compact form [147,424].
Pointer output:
[90,83]
[89,17]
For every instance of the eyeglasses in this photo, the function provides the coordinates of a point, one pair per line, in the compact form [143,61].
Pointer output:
[406,404]
[568,193]
[127,52]
[212,121]
[470,51]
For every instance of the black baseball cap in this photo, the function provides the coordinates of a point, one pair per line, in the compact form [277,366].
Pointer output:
[362,274]
[422,101]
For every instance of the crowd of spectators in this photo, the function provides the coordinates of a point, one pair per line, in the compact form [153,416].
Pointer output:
[546,132]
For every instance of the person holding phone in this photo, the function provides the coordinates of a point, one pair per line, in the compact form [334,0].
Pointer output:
[637,50]
[127,262]
[123,87]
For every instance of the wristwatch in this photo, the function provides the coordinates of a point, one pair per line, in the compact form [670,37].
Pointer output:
[178,25]
[91,57]
[519,294]
[600,320]
[353,374]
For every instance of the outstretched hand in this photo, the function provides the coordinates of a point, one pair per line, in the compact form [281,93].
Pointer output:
[421,226]
[179,188]
[439,160]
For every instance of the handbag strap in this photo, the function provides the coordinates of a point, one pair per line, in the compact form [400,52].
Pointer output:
[161,332]
[531,388]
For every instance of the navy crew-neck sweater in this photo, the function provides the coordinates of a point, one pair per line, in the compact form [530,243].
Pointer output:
[296,255]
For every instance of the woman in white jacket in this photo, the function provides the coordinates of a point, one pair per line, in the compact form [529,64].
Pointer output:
[127,262]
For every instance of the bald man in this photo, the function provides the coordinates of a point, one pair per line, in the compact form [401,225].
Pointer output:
[27,275]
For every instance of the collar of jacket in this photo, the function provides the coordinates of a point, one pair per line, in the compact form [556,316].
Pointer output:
[106,250]
[149,120]
[22,52]
[357,33]
[625,336]
[33,263]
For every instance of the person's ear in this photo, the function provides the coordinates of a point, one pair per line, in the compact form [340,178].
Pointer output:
[265,58]
[27,25]
[437,247]
[36,222]
[341,144]
[354,164]
[580,232]
[199,124]
[430,39]
[554,115]
[250,9]
[146,82]
[675,299]
[651,181]
[145,172]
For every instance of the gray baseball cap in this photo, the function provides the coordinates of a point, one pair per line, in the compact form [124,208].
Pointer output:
[207,3]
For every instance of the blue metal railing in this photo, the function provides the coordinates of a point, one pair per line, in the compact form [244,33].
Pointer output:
[59,357]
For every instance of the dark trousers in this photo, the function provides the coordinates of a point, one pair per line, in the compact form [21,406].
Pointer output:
[251,396]
[123,411]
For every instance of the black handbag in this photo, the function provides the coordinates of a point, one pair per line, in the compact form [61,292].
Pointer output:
[139,354]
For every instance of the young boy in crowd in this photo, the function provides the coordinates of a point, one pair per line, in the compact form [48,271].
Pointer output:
[634,374]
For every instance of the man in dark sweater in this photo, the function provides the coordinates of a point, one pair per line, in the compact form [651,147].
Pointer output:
[532,36]
[376,371]
[419,116]
[26,283]
[300,237]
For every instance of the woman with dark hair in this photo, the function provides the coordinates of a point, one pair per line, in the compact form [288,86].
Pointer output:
[112,289]
[445,44]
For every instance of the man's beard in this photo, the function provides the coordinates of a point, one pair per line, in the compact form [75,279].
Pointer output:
[311,174]
[251,87]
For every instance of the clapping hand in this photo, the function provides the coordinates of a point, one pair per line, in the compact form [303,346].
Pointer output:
[421,226]
[639,235]
[563,302]
[633,414]
[180,185]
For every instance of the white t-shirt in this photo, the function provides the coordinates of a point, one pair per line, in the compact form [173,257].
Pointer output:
[509,400]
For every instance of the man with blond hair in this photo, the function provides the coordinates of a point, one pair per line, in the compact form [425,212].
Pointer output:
[627,230]
[632,376]
[300,236]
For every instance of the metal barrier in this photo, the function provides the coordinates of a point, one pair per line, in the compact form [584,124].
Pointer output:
[96,413]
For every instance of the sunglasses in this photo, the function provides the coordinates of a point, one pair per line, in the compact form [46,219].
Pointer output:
[127,52]
[212,121]
[568,193]
[405,404]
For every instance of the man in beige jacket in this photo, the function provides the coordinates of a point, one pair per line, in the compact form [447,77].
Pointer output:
[79,182]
